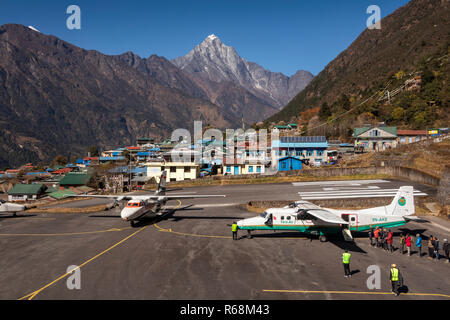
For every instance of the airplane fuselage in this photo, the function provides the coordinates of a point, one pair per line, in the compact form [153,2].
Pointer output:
[289,219]
[135,210]
[6,207]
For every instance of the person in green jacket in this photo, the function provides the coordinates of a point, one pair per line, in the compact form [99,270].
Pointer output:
[346,261]
[234,230]
[396,279]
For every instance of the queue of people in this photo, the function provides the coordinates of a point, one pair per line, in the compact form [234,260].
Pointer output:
[382,238]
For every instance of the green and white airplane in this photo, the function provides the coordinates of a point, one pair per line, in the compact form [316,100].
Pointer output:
[306,217]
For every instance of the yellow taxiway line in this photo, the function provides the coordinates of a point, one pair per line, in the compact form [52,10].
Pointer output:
[31,295]
[358,292]
[60,234]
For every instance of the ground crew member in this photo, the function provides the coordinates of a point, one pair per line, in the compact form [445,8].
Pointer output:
[395,278]
[234,230]
[346,261]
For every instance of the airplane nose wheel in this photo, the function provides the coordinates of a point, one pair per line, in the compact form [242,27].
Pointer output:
[132,224]
[322,238]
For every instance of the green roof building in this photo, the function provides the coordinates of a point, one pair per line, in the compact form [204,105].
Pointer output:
[75,179]
[24,192]
[377,138]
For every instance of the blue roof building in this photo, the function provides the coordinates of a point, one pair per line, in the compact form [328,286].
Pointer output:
[312,148]
[289,163]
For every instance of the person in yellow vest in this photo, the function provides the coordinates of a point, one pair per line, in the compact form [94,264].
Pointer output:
[346,261]
[395,278]
[234,230]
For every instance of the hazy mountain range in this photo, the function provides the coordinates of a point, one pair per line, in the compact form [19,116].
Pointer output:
[57,98]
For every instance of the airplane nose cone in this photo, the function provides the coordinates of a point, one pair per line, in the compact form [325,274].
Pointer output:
[128,214]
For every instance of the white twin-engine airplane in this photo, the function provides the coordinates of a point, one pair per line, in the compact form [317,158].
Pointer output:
[311,219]
[6,207]
[139,207]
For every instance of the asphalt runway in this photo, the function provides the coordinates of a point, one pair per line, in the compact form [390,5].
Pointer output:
[190,255]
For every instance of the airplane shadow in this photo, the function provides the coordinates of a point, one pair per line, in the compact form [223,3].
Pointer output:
[276,235]
[17,216]
[344,245]
[104,216]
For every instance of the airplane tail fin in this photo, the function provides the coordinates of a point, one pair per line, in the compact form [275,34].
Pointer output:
[403,203]
[162,184]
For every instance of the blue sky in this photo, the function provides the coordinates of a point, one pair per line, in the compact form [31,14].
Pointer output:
[280,35]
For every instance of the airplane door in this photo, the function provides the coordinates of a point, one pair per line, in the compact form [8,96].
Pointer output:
[352,220]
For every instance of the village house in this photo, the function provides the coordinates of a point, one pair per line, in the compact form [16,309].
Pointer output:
[410,136]
[25,192]
[314,149]
[376,138]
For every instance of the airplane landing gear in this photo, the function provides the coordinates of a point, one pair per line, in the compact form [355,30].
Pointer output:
[249,234]
[132,224]
[322,238]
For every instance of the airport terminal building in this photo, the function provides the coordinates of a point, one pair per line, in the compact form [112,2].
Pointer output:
[312,148]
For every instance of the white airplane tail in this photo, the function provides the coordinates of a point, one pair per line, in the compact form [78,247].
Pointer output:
[162,184]
[403,203]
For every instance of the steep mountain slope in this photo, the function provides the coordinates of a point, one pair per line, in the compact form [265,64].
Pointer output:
[58,98]
[412,32]
[214,61]
[234,100]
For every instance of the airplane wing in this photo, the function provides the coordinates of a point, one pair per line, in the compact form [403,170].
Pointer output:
[176,197]
[326,216]
[146,197]
[118,197]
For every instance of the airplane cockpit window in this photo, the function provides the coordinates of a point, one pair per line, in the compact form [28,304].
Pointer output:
[304,215]
[2,201]
[269,219]
[292,205]
[301,214]
[263,215]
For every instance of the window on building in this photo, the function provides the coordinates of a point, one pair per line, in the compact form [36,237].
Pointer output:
[250,169]
[187,169]
[173,179]
[258,169]
[228,168]
[173,169]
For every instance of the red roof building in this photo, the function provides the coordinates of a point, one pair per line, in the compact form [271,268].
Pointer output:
[62,171]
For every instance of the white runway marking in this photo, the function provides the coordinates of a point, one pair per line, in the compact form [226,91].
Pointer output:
[216,205]
[355,193]
[336,183]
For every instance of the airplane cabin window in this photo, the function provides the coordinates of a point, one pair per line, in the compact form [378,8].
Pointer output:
[282,217]
[288,218]
[353,219]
